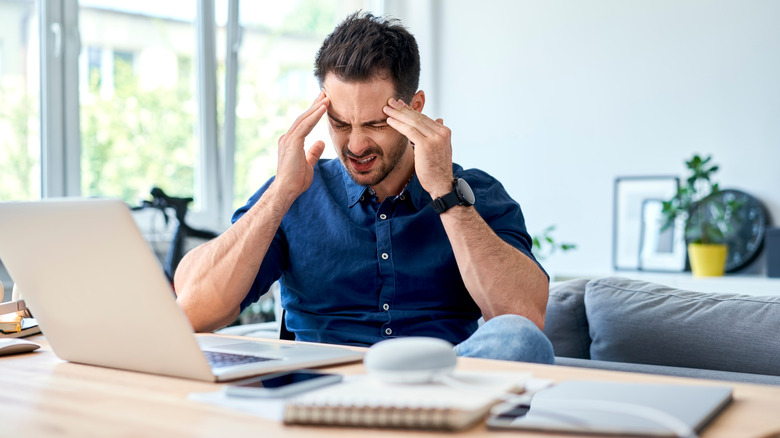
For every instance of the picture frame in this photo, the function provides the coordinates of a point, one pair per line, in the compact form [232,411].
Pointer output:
[630,193]
[661,248]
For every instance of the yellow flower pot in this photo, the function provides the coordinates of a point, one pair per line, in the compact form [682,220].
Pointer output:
[707,260]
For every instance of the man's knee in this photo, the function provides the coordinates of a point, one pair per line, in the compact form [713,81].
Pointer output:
[508,337]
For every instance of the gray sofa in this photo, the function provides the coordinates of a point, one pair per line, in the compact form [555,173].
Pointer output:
[620,324]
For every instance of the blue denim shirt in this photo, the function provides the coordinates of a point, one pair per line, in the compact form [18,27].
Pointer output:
[354,271]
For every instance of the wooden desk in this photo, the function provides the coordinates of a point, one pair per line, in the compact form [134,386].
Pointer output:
[42,396]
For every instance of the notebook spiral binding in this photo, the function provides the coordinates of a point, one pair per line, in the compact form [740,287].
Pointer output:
[405,417]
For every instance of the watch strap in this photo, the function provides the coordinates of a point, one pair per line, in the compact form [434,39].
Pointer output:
[444,203]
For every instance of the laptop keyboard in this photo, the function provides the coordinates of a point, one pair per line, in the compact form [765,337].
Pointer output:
[217,359]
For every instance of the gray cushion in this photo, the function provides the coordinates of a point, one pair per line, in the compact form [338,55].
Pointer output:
[565,323]
[640,322]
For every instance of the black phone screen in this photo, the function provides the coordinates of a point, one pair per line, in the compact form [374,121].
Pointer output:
[281,380]
[515,412]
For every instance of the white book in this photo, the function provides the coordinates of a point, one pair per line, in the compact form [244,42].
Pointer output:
[617,408]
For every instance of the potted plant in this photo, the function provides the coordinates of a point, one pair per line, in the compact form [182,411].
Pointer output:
[544,244]
[707,224]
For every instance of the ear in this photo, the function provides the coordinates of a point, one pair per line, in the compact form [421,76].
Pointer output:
[418,101]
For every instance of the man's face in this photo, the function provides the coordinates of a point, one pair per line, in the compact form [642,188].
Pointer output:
[367,146]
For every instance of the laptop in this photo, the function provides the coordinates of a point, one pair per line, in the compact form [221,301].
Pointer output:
[101,298]
[616,408]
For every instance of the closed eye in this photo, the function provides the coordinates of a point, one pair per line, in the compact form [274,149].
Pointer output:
[339,127]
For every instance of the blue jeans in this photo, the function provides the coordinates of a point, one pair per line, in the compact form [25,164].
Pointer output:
[508,337]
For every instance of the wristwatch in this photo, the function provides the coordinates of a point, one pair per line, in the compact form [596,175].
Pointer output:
[461,194]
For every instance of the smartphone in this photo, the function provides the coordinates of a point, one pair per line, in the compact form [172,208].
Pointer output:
[281,384]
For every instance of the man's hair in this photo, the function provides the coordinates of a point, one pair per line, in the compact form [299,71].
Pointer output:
[364,47]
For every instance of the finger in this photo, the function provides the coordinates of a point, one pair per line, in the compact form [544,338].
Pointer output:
[315,152]
[400,111]
[321,99]
[409,130]
[406,130]
[308,123]
[419,132]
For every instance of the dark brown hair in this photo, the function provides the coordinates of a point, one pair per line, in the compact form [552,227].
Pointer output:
[364,47]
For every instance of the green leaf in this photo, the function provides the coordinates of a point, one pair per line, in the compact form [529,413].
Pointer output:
[544,244]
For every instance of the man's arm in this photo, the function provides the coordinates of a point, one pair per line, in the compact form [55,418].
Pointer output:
[499,277]
[213,279]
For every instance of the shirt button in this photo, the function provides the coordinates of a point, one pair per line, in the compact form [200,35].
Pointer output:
[383,216]
[388,331]
[402,197]
[362,198]
[385,256]
[386,306]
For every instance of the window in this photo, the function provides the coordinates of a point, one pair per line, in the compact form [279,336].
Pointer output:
[138,105]
[137,123]
[20,152]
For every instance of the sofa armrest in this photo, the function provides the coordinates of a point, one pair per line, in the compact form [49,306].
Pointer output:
[698,373]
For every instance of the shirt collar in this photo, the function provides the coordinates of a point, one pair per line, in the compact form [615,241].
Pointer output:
[419,197]
[354,190]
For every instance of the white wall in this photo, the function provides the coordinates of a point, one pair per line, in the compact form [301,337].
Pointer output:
[556,98]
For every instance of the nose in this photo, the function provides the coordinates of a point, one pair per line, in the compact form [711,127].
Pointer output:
[359,143]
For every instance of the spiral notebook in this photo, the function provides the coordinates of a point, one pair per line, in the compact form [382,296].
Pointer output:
[366,402]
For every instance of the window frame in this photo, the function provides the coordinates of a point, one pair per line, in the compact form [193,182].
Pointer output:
[59,98]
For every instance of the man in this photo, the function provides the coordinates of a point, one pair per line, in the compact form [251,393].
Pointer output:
[383,242]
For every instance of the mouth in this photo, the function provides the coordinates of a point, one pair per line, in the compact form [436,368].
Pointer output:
[362,165]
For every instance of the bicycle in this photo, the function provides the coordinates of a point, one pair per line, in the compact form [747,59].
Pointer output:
[183,234]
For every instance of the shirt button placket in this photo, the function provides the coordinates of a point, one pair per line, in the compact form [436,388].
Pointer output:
[383,236]
[386,268]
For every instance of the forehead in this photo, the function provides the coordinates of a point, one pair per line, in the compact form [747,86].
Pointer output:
[357,101]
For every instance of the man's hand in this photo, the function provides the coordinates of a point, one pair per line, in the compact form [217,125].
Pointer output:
[295,167]
[432,146]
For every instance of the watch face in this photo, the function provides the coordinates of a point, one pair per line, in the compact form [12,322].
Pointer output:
[465,194]
[745,230]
